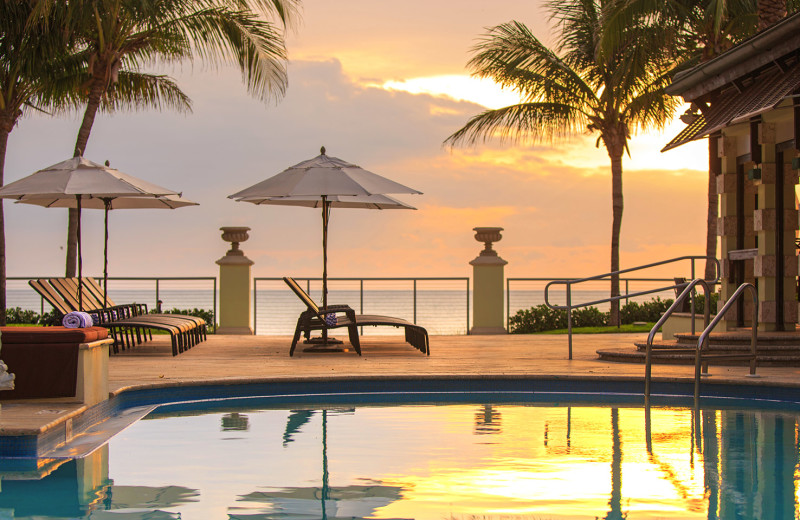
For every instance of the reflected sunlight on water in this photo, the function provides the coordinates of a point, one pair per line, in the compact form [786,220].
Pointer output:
[477,461]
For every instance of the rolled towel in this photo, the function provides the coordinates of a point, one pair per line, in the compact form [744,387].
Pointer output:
[331,320]
[77,320]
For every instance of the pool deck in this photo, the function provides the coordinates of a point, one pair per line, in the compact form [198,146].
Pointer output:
[227,358]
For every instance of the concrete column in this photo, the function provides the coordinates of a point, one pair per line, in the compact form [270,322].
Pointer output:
[487,285]
[234,284]
[727,222]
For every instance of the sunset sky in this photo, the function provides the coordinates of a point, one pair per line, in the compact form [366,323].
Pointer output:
[379,84]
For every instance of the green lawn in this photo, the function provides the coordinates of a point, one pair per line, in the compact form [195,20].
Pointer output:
[603,330]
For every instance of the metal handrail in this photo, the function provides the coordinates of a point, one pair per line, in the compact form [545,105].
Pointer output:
[702,341]
[569,283]
[687,291]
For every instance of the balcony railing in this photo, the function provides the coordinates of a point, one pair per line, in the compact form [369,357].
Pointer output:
[442,305]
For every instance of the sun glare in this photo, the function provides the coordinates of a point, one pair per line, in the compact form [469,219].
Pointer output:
[484,92]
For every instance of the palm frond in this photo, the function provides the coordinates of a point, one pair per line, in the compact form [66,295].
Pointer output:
[522,122]
[140,90]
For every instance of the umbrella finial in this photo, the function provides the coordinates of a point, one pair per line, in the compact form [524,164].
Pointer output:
[108,163]
[322,151]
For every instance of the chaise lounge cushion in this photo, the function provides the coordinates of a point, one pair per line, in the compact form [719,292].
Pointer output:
[44,360]
[26,335]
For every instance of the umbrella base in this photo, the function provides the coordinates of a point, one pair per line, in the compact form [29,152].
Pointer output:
[324,348]
[322,340]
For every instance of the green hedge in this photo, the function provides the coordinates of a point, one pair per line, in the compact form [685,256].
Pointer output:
[542,317]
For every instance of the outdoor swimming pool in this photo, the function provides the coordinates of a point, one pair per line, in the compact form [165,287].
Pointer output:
[435,457]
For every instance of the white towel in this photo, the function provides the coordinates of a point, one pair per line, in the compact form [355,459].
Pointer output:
[77,320]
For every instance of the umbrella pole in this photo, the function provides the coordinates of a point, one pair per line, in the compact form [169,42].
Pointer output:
[80,255]
[325,216]
[324,340]
[107,206]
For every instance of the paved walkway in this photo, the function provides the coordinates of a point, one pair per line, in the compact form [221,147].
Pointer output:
[266,357]
[259,358]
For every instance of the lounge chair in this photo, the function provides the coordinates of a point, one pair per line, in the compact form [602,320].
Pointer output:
[313,318]
[127,327]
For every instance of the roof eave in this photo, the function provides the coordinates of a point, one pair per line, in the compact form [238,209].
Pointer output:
[763,48]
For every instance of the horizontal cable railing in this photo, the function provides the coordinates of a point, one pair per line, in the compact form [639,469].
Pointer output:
[441,305]
[173,292]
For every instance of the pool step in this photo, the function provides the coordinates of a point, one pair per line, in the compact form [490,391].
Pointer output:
[774,348]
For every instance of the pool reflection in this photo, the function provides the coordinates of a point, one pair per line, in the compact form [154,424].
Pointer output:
[426,461]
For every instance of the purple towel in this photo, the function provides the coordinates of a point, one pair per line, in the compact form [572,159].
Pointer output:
[330,319]
[77,320]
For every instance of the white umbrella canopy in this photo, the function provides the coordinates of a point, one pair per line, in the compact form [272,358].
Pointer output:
[326,182]
[80,177]
[122,202]
[323,175]
[335,201]
[78,183]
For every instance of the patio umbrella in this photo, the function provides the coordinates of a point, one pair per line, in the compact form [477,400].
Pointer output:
[325,182]
[107,204]
[83,183]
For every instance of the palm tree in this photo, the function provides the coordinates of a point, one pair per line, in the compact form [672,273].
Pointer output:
[584,85]
[30,54]
[119,37]
[707,28]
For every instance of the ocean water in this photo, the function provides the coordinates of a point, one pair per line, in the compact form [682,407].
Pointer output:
[442,306]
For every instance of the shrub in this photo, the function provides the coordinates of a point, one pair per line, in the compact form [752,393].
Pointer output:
[18,315]
[649,311]
[700,303]
[537,319]
[589,317]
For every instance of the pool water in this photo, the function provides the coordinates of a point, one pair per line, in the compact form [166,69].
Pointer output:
[439,462]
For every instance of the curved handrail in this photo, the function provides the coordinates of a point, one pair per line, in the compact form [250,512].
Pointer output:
[574,281]
[687,291]
[569,283]
[702,341]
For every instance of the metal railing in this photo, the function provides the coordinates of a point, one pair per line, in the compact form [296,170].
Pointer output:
[701,367]
[414,286]
[510,282]
[570,283]
[138,283]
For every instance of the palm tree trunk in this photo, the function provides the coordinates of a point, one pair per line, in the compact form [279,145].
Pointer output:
[617,203]
[92,105]
[6,124]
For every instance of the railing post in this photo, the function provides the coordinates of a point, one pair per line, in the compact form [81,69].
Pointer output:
[255,303]
[415,300]
[508,304]
[158,295]
[569,316]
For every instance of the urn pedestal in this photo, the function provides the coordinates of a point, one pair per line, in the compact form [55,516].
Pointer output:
[488,277]
[234,284]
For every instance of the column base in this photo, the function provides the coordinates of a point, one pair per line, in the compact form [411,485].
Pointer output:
[241,331]
[482,331]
